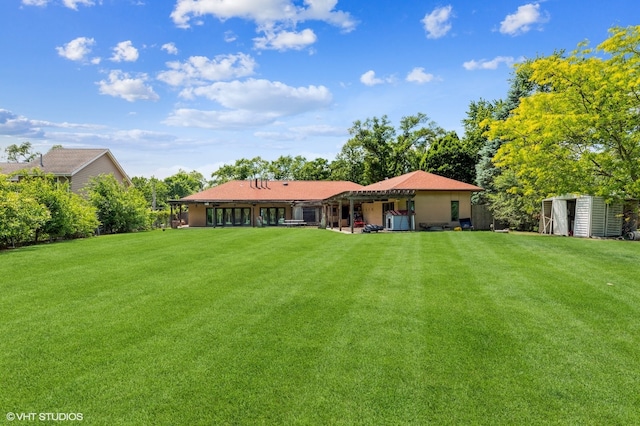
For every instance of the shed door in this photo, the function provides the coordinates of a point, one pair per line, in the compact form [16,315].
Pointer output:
[560,220]
[582,226]
[614,220]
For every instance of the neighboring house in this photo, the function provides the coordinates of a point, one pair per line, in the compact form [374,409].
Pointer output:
[258,202]
[581,216]
[424,198]
[72,165]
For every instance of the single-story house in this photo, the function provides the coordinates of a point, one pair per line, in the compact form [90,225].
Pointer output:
[257,202]
[581,216]
[424,199]
[73,165]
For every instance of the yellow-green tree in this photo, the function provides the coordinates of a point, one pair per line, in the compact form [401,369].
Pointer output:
[580,130]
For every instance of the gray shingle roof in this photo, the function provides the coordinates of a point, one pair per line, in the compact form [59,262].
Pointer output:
[60,161]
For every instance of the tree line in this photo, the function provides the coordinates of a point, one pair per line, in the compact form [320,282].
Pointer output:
[568,124]
[375,151]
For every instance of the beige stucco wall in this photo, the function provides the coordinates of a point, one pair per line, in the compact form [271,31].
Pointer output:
[101,166]
[197,215]
[372,213]
[434,207]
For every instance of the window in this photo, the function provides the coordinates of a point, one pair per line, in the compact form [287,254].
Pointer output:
[271,215]
[455,210]
[230,217]
[309,214]
[210,215]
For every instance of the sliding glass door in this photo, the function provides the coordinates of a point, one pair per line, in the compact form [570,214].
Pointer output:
[235,216]
[272,215]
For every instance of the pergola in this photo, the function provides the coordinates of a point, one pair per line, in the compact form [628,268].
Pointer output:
[363,196]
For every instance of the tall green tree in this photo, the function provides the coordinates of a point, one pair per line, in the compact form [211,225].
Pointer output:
[22,153]
[450,157]
[318,169]
[375,135]
[504,194]
[184,183]
[154,190]
[476,125]
[579,131]
[415,136]
[388,152]
[286,167]
[242,169]
[349,163]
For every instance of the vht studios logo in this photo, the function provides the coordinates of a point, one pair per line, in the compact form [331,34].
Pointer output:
[43,417]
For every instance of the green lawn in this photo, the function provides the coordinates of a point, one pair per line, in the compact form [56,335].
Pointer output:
[306,326]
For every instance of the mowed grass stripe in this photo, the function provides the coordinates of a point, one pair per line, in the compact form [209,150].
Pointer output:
[310,326]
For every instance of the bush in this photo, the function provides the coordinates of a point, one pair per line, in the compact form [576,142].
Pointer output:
[119,208]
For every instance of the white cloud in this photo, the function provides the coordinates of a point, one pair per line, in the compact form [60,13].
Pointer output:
[71,4]
[12,124]
[77,49]
[437,22]
[35,2]
[140,136]
[250,103]
[417,75]
[300,133]
[15,125]
[198,70]
[369,79]
[276,19]
[170,48]
[483,64]
[320,130]
[265,11]
[230,36]
[265,96]
[124,51]
[285,40]
[235,119]
[521,21]
[121,85]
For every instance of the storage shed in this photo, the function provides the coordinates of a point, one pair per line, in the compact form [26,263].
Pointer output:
[581,216]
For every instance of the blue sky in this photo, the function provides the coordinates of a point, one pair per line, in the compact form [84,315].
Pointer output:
[194,84]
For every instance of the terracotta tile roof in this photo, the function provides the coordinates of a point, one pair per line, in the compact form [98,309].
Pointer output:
[421,181]
[293,190]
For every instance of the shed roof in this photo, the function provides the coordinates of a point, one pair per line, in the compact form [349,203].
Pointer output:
[283,191]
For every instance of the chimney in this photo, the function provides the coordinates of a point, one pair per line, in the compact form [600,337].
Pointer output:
[41,162]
